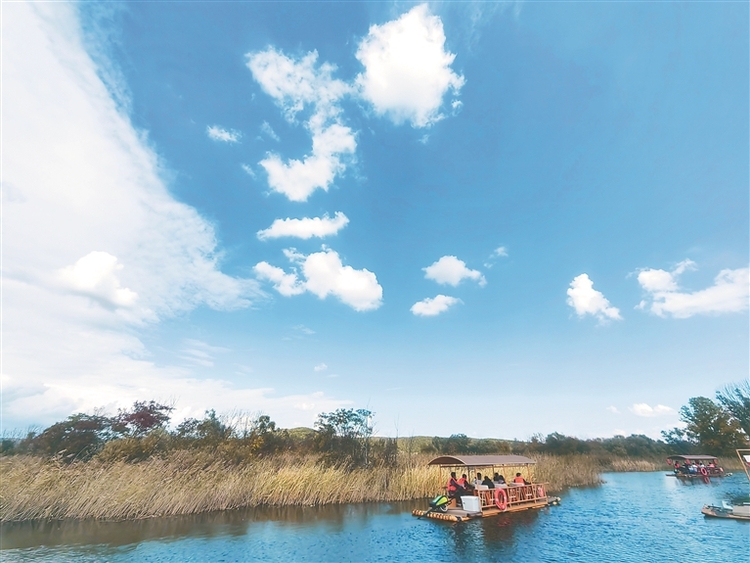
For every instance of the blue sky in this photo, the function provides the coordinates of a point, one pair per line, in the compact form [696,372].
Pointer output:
[498,219]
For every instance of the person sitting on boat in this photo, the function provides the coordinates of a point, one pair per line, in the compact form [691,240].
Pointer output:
[478,481]
[454,488]
[464,483]
[676,466]
[488,482]
[498,479]
[693,468]
[520,480]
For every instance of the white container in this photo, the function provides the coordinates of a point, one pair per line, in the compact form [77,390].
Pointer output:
[471,504]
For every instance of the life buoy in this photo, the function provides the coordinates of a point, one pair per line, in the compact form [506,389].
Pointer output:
[704,471]
[501,499]
[540,491]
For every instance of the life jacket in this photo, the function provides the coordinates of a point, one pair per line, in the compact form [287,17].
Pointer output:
[452,485]
[462,482]
[519,480]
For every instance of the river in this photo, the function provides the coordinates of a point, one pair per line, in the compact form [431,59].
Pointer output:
[633,517]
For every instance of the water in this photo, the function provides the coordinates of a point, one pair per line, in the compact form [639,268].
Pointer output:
[633,517]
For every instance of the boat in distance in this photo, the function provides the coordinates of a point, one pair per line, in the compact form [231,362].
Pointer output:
[691,467]
[483,501]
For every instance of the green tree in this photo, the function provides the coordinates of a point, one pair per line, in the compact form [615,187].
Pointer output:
[78,437]
[343,436]
[711,426]
[735,398]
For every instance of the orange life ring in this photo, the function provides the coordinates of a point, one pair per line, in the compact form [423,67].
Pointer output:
[501,499]
[704,471]
[540,491]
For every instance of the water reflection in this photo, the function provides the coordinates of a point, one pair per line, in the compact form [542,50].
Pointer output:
[334,518]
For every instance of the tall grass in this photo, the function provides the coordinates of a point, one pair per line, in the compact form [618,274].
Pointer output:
[190,482]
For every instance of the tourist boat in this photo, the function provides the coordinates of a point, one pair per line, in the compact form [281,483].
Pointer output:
[732,511]
[483,501]
[708,467]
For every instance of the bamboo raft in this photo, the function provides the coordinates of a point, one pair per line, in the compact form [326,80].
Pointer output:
[483,501]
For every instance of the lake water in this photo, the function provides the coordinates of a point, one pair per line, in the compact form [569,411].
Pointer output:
[633,517]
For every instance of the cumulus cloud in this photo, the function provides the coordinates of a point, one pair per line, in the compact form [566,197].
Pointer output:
[407,69]
[298,179]
[587,301]
[323,274]
[94,275]
[431,307]
[286,284]
[728,294]
[217,133]
[296,86]
[452,271]
[305,228]
[643,409]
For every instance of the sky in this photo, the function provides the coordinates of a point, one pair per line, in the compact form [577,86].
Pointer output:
[495,219]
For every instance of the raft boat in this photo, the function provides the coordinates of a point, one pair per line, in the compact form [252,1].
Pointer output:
[708,468]
[484,502]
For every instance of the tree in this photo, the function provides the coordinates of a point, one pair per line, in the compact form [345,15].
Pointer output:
[711,426]
[735,398]
[143,418]
[343,436]
[78,437]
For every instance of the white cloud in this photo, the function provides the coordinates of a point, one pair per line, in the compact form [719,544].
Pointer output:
[430,307]
[73,309]
[305,228]
[268,130]
[320,367]
[729,294]
[217,133]
[248,170]
[452,271]
[94,276]
[587,301]
[324,274]
[298,179]
[407,69]
[500,251]
[201,353]
[286,284]
[643,409]
[296,85]
[613,409]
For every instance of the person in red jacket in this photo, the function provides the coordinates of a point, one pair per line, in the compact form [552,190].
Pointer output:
[520,480]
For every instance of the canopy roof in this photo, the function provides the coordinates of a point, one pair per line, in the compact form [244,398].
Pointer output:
[692,457]
[481,460]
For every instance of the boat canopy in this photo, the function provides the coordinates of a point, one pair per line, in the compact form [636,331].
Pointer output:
[482,460]
[696,457]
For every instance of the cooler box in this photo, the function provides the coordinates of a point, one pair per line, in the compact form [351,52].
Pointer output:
[471,504]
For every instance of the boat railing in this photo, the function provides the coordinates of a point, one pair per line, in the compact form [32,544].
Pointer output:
[534,493]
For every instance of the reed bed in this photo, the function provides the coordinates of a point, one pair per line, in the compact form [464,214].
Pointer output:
[190,482]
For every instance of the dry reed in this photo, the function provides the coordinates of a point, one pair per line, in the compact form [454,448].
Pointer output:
[189,482]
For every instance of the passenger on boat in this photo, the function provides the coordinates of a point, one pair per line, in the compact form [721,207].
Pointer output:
[498,479]
[464,483]
[454,488]
[693,468]
[478,481]
[520,480]
[488,482]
